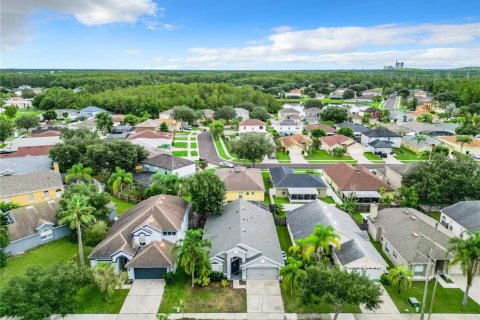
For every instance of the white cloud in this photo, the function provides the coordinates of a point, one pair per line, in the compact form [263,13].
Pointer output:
[14,14]
[157,25]
[131,52]
[282,29]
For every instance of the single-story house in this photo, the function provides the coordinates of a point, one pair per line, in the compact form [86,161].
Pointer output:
[356,252]
[244,242]
[406,234]
[296,144]
[155,124]
[9,166]
[27,142]
[252,125]
[31,188]
[120,129]
[340,141]
[293,94]
[91,111]
[313,115]
[297,187]
[337,94]
[140,241]
[357,129]
[242,113]
[242,183]
[328,129]
[462,216]
[410,143]
[373,112]
[380,140]
[347,180]
[165,164]
[394,174]
[468,148]
[288,126]
[287,113]
[398,116]
[34,225]
[152,139]
[434,130]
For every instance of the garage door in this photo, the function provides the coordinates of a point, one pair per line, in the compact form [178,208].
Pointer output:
[150,273]
[262,273]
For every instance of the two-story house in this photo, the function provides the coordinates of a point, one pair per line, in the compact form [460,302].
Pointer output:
[381,140]
[252,125]
[242,113]
[313,115]
[288,126]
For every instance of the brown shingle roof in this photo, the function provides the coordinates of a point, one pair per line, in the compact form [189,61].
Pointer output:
[149,134]
[168,161]
[324,127]
[28,151]
[29,182]
[359,178]
[241,179]
[154,255]
[252,122]
[49,133]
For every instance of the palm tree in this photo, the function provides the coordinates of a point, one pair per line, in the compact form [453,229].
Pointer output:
[79,173]
[290,273]
[462,140]
[192,252]
[466,252]
[302,250]
[77,213]
[419,138]
[400,278]
[322,237]
[119,179]
[168,184]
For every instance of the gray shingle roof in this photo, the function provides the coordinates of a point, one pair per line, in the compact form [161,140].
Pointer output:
[354,126]
[381,144]
[427,142]
[25,164]
[303,220]
[29,182]
[284,177]
[168,161]
[465,213]
[92,109]
[380,132]
[243,223]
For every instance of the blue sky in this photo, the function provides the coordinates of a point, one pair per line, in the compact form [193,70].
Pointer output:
[262,34]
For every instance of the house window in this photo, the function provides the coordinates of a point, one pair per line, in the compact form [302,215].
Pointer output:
[46,195]
[30,197]
[387,248]
[46,234]
[142,240]
[169,233]
[58,193]
[253,193]
[261,127]
[394,254]
[419,270]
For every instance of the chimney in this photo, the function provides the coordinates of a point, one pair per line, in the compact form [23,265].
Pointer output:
[56,168]
[373,211]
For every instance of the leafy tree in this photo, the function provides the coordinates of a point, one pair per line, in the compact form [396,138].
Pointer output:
[49,115]
[407,196]
[131,119]
[314,103]
[104,122]
[290,273]
[164,127]
[95,199]
[250,106]
[96,233]
[348,94]
[119,179]
[192,254]
[253,147]
[216,128]
[466,252]
[260,113]
[349,204]
[400,278]
[339,288]
[426,118]
[11,111]
[184,115]
[27,121]
[474,108]
[280,211]
[226,113]
[365,118]
[42,292]
[6,130]
[317,133]
[166,184]
[4,238]
[335,114]
[463,140]
[202,164]
[106,280]
[207,191]
[339,151]
[79,173]
[468,129]
[76,214]
[28,94]
[346,131]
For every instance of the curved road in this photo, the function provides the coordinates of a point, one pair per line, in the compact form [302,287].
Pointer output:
[207,151]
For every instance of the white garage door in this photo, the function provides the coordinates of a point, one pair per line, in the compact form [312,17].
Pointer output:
[262,274]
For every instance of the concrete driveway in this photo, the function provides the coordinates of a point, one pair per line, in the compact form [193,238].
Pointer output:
[143,298]
[474,291]
[264,300]
[387,306]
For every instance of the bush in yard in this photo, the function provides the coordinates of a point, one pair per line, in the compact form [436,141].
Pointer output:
[106,280]
[384,279]
[225,283]
[169,277]
[96,233]
[216,276]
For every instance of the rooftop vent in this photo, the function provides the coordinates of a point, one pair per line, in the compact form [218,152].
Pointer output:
[415,234]
[244,230]
[414,218]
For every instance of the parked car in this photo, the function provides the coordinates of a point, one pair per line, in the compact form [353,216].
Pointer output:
[226,164]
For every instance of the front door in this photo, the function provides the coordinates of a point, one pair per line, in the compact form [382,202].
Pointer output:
[235,266]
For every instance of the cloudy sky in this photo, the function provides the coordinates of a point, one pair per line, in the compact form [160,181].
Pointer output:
[242,34]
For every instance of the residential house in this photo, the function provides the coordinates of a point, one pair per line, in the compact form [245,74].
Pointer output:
[34,225]
[91,111]
[296,144]
[398,116]
[288,126]
[208,113]
[468,148]
[155,124]
[337,94]
[167,114]
[252,125]
[19,102]
[140,241]
[9,166]
[89,124]
[313,115]
[242,113]
[347,180]
[152,139]
[293,94]
[242,183]
[434,130]
[329,143]
[394,174]
[373,112]
[297,187]
[406,234]
[165,164]
[380,140]
[412,144]
[26,142]
[357,129]
[289,113]
[423,109]
[244,242]
[328,129]
[117,119]
[460,217]
[49,133]
[31,188]
[120,129]
[356,252]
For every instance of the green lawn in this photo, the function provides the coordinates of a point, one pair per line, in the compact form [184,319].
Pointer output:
[435,215]
[122,206]
[266,180]
[193,138]
[180,153]
[284,238]
[322,155]
[91,300]
[181,137]
[378,246]
[282,156]
[310,171]
[328,200]
[408,155]
[180,144]
[57,251]
[446,300]
[220,150]
[281,200]
[193,153]
[193,145]
[373,157]
[357,217]
[266,199]
[201,299]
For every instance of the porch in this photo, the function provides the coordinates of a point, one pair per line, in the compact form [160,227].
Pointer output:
[302,194]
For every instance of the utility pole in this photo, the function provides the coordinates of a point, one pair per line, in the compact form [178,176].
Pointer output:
[427,275]
[433,296]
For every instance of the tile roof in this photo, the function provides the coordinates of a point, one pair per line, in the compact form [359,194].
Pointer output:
[92,109]
[154,255]
[337,139]
[324,127]
[29,182]
[402,169]
[149,134]
[168,161]
[285,177]
[452,139]
[359,178]
[427,142]
[465,213]
[241,179]
[296,139]
[149,123]
[252,122]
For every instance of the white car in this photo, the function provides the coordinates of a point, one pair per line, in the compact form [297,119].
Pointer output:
[226,164]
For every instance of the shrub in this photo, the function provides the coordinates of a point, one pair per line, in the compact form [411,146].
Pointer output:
[384,279]
[3,258]
[96,233]
[225,283]
[169,277]
[216,276]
